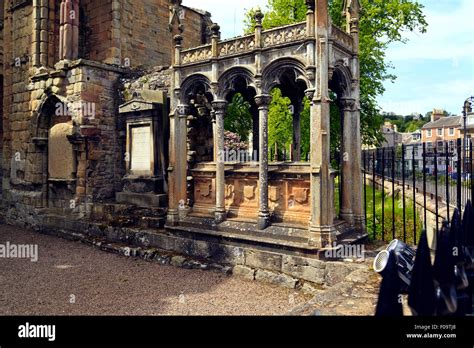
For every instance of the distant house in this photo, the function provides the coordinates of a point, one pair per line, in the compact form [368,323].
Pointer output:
[413,149]
[442,129]
[391,135]
[470,126]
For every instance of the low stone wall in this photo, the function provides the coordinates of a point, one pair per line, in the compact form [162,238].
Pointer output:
[250,261]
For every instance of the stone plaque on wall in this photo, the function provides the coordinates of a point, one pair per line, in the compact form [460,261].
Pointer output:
[61,161]
[141,148]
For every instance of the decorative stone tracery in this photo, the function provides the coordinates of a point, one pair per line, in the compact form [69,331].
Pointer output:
[304,59]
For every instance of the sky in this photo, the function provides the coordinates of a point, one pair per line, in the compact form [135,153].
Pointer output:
[434,70]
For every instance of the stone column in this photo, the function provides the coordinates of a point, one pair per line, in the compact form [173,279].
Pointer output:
[220,109]
[40,38]
[322,231]
[347,161]
[174,170]
[172,217]
[115,55]
[184,112]
[263,103]
[310,27]
[177,166]
[214,134]
[352,25]
[216,35]
[357,177]
[69,30]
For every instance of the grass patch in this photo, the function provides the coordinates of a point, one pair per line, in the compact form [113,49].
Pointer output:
[387,233]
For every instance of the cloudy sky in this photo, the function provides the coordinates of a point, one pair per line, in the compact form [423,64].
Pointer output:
[435,70]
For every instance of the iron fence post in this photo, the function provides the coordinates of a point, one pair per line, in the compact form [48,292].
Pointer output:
[383,194]
[414,193]
[403,189]
[424,186]
[458,176]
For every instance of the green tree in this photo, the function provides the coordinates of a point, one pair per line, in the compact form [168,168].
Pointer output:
[382,22]
[280,122]
[280,13]
[238,118]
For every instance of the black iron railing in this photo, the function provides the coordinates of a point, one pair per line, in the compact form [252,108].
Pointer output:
[408,184]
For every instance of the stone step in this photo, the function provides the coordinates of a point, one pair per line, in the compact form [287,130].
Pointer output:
[353,237]
[297,246]
[278,233]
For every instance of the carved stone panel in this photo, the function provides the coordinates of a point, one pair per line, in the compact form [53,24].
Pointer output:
[141,148]
[204,191]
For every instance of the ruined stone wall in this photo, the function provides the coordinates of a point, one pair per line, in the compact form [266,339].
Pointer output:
[96,20]
[1,80]
[145,37]
[123,32]
[1,37]
[32,93]
[17,106]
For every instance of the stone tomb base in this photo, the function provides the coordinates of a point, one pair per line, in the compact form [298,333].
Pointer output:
[279,250]
[289,191]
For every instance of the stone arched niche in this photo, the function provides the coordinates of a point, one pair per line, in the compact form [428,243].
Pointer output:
[61,161]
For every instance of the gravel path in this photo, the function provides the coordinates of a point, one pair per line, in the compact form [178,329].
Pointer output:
[108,284]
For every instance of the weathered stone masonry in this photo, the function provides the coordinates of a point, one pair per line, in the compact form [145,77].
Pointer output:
[74,53]
[75,86]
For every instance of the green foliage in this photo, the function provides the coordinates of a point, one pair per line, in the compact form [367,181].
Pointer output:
[406,124]
[387,213]
[382,23]
[280,122]
[238,119]
[413,126]
[280,13]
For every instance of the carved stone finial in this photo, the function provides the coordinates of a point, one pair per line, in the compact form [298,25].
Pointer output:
[215,30]
[310,5]
[178,40]
[175,15]
[258,17]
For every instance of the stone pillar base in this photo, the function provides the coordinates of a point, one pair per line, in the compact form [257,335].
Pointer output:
[347,216]
[172,218]
[220,216]
[322,236]
[359,222]
[263,221]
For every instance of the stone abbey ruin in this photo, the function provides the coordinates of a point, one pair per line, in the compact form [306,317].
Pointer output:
[113,129]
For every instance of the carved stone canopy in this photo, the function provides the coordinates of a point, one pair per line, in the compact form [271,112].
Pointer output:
[138,106]
[143,100]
